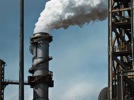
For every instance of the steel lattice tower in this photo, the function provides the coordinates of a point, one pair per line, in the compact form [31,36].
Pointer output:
[121,50]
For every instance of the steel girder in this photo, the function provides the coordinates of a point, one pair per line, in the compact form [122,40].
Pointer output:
[121,50]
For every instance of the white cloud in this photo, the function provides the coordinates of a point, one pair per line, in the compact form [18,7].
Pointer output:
[80,91]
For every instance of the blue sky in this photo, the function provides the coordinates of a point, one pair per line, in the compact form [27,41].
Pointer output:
[79,54]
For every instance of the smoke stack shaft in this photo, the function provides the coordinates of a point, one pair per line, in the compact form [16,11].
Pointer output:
[42,77]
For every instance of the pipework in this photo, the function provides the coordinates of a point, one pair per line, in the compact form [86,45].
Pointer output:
[41,78]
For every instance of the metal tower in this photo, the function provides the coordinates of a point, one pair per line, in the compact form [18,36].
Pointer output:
[121,50]
[41,77]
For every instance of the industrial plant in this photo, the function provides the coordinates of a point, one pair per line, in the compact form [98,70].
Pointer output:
[120,57]
[120,51]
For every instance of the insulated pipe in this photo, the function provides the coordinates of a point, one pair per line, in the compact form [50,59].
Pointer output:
[40,64]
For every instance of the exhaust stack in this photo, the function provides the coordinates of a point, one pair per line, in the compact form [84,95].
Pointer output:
[41,78]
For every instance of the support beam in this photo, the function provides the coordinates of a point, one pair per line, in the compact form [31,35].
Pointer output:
[21,53]
[110,50]
[132,34]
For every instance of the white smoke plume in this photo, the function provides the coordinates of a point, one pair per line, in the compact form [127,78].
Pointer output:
[63,13]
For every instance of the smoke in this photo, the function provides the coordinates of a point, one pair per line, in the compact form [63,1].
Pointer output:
[63,13]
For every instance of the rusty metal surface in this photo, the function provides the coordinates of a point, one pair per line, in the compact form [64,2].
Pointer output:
[32,80]
[121,49]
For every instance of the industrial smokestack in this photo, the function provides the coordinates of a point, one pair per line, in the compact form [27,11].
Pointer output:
[63,13]
[41,77]
[57,14]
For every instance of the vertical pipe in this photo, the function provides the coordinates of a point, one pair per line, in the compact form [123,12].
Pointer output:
[122,86]
[40,67]
[21,52]
[132,29]
[109,49]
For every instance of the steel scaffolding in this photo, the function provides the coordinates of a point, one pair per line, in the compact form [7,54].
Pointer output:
[121,50]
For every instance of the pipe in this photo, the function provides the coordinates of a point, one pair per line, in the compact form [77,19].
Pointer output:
[110,50]
[21,52]
[41,79]
[132,29]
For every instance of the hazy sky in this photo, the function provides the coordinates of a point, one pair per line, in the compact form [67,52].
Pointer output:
[79,54]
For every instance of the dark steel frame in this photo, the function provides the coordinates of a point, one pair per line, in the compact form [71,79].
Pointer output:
[2,65]
[120,50]
[4,82]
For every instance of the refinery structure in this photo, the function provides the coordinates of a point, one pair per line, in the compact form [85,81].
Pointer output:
[120,51]
[120,58]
